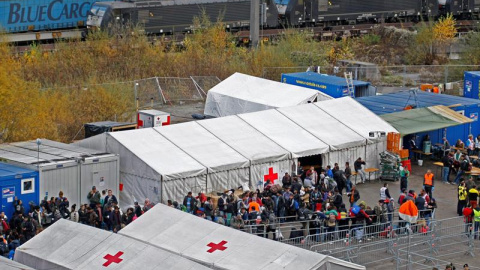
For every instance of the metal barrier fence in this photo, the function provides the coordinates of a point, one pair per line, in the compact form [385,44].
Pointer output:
[403,245]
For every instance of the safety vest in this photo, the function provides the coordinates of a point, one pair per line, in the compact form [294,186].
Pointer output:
[462,193]
[429,179]
[476,215]
[383,196]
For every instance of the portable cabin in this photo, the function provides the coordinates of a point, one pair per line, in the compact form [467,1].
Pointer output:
[65,167]
[333,86]
[17,182]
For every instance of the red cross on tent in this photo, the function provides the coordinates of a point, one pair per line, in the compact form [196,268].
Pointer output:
[113,259]
[270,176]
[214,247]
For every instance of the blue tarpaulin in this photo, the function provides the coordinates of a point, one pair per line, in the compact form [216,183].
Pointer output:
[396,102]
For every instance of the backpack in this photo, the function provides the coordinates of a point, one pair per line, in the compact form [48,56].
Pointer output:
[301,214]
[355,209]
[332,219]
[295,205]
[3,248]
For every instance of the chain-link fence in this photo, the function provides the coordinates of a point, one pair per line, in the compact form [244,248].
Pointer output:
[449,76]
[163,91]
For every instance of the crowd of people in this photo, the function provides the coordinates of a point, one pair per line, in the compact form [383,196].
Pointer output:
[102,212]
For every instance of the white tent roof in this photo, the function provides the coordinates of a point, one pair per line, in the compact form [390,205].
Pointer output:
[330,130]
[203,146]
[70,245]
[356,116]
[159,153]
[7,264]
[245,139]
[195,239]
[242,93]
[286,133]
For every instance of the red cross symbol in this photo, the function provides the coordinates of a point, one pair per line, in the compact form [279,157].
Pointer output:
[220,246]
[270,176]
[112,259]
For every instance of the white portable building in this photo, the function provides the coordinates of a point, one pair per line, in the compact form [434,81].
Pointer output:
[222,153]
[65,167]
[70,245]
[241,93]
[220,247]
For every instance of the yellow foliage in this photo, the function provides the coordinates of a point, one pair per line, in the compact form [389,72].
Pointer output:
[444,29]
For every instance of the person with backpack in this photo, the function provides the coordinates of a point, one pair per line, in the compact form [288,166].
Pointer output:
[28,228]
[353,196]
[337,199]
[3,247]
[465,166]
[331,222]
[357,212]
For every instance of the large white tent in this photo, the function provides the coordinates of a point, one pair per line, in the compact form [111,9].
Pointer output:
[70,245]
[221,247]
[7,264]
[215,154]
[242,93]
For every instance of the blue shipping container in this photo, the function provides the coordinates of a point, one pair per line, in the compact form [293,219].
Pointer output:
[37,15]
[17,182]
[333,86]
[471,84]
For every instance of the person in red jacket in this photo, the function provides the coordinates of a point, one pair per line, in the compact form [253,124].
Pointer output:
[467,218]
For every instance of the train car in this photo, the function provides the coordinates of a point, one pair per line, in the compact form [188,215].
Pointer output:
[337,12]
[169,16]
[462,9]
[31,17]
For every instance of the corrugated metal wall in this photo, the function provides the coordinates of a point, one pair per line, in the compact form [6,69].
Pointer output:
[52,180]
[91,175]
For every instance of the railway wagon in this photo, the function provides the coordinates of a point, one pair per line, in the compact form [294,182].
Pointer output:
[374,10]
[43,15]
[166,17]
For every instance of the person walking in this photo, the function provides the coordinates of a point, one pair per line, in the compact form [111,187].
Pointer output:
[359,170]
[404,174]
[463,168]
[447,164]
[348,174]
[428,183]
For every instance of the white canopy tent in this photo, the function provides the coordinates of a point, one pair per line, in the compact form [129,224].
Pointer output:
[242,93]
[217,154]
[7,264]
[221,247]
[363,121]
[71,245]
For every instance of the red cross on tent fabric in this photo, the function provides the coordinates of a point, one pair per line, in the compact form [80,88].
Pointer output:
[214,247]
[270,176]
[112,259]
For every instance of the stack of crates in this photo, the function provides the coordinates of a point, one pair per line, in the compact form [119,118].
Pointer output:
[390,166]
[393,142]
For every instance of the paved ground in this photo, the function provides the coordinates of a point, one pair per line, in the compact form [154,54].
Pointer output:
[446,196]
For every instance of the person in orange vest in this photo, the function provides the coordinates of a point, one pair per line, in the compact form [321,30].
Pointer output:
[428,183]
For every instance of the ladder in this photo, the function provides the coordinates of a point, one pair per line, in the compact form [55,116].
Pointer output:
[351,88]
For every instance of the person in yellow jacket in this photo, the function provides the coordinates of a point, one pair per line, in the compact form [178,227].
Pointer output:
[428,183]
[476,220]
[462,198]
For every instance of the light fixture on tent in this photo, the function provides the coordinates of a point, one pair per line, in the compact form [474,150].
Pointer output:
[372,134]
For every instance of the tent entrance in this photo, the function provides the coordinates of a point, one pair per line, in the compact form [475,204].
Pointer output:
[315,160]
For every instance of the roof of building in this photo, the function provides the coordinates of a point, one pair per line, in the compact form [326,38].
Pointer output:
[396,102]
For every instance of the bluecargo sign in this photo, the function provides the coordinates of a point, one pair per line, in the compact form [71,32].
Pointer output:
[43,14]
